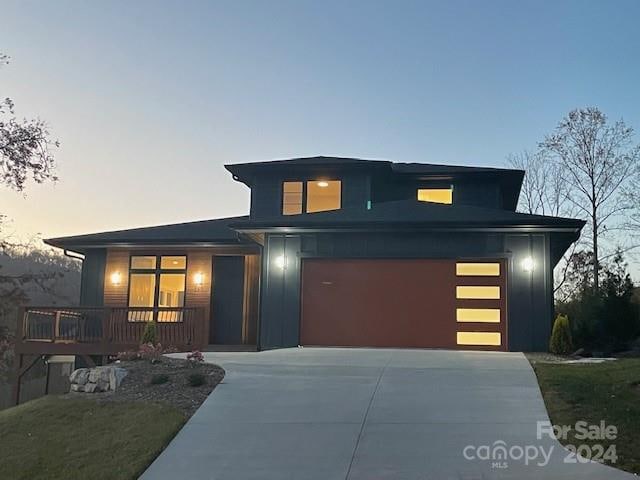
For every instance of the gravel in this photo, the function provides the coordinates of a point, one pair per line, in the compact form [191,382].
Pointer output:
[137,387]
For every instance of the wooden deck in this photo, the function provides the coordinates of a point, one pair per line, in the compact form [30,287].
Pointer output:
[55,330]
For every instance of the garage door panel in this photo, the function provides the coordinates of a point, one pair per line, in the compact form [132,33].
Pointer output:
[390,303]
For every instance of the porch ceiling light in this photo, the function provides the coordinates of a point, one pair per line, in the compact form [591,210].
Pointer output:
[528,265]
[116,278]
[323,184]
[198,279]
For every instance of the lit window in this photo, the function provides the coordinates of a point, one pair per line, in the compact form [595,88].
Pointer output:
[157,293]
[478,315]
[323,195]
[491,293]
[436,195]
[173,263]
[143,262]
[479,338]
[311,196]
[291,198]
[478,269]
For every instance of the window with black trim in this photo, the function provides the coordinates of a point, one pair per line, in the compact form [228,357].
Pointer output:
[311,196]
[157,287]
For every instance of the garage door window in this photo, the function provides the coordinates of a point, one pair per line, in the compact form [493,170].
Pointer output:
[479,338]
[478,293]
[478,269]
[478,315]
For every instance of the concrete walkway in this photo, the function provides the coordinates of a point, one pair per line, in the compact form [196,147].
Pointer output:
[327,414]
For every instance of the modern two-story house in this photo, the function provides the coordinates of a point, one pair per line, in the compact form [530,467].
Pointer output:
[334,252]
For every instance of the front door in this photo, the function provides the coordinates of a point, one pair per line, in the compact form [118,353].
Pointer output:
[227,300]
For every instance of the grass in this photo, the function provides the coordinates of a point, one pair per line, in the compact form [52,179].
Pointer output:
[607,391]
[62,438]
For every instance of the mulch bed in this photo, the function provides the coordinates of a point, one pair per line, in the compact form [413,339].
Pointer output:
[137,387]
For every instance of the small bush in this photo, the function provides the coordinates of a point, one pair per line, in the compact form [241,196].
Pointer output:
[159,379]
[196,379]
[151,352]
[195,358]
[127,356]
[149,334]
[560,342]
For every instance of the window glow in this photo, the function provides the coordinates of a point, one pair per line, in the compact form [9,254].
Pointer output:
[479,338]
[481,293]
[436,195]
[478,269]
[173,262]
[291,198]
[478,315]
[146,262]
[323,195]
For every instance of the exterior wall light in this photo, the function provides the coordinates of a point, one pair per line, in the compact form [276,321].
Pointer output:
[198,279]
[323,184]
[528,265]
[116,278]
[281,262]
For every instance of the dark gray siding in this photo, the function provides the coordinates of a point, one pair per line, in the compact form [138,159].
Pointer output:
[92,279]
[482,194]
[529,300]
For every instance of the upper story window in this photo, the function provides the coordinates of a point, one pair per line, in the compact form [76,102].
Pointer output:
[311,196]
[157,282]
[436,195]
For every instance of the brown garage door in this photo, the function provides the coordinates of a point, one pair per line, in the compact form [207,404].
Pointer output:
[404,303]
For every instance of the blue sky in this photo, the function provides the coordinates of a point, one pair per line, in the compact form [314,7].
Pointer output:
[150,99]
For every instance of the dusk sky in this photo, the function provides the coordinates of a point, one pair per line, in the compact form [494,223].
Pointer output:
[150,99]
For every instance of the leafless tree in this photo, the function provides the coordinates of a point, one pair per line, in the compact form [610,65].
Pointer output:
[596,161]
[543,192]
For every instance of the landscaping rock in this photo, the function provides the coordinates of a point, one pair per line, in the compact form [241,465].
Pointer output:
[79,376]
[99,379]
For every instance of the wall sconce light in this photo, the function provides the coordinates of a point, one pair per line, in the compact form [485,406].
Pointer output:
[528,265]
[198,279]
[281,262]
[116,278]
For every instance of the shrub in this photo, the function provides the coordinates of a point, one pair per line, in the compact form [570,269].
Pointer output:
[127,356]
[560,342]
[196,379]
[149,334]
[195,358]
[159,379]
[151,352]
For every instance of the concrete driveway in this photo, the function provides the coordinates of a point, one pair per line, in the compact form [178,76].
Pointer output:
[311,413]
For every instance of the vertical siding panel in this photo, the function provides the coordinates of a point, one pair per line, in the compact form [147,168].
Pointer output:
[116,295]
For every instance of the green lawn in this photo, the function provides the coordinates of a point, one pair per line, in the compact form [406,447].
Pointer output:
[70,438]
[608,391]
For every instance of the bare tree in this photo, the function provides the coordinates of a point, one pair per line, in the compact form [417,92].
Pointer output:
[25,147]
[596,161]
[543,192]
